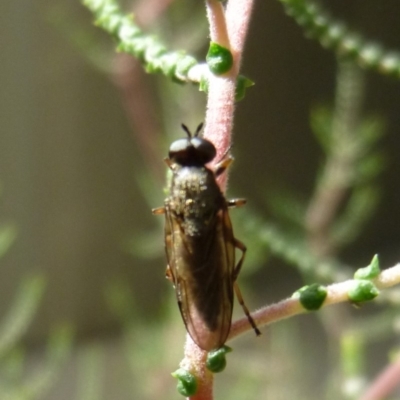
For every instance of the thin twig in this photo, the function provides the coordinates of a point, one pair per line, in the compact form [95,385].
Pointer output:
[238,13]
[195,362]
[230,33]
[385,383]
[217,23]
[336,293]
[221,89]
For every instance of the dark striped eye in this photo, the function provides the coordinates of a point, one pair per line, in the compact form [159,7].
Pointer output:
[192,151]
[205,150]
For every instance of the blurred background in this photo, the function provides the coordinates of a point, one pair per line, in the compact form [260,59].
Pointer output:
[85,310]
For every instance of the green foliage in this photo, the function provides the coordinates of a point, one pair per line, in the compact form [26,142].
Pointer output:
[287,208]
[58,350]
[143,343]
[351,163]
[352,363]
[312,296]
[8,233]
[352,353]
[362,290]
[242,83]
[177,65]
[90,372]
[203,85]
[120,301]
[369,272]
[21,313]
[317,24]
[353,159]
[187,383]
[219,59]
[290,246]
[216,359]
[359,208]
[146,48]
[14,385]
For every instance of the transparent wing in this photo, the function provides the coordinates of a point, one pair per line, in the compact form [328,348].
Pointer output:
[201,269]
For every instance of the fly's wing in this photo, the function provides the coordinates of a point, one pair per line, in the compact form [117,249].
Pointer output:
[201,269]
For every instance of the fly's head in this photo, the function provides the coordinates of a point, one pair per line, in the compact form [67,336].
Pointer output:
[192,151]
[194,195]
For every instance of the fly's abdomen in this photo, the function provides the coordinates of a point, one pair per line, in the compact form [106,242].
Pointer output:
[206,285]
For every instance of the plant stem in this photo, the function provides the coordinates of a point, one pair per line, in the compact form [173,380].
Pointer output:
[217,23]
[230,28]
[238,13]
[221,91]
[336,293]
[385,383]
[195,363]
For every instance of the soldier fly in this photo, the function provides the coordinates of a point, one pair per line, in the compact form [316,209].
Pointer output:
[199,241]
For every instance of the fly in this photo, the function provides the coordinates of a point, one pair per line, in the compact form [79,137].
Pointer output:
[199,242]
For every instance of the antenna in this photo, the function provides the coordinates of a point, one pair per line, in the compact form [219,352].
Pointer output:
[186,129]
[198,129]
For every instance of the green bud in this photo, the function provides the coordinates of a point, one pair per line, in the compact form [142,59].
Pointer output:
[242,83]
[370,272]
[312,296]
[216,360]
[219,59]
[187,383]
[362,290]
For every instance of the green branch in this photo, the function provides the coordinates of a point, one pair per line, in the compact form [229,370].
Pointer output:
[177,65]
[334,35]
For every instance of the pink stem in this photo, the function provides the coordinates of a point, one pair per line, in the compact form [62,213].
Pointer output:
[195,363]
[221,89]
[217,23]
[385,383]
[238,13]
[336,293]
[229,30]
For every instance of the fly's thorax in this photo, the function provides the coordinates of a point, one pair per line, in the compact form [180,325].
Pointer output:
[194,199]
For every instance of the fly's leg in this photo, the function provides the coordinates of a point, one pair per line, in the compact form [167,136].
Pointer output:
[239,245]
[170,164]
[245,309]
[222,166]
[158,211]
[232,203]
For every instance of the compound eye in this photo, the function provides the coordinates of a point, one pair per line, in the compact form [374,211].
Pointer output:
[205,150]
[193,151]
[179,150]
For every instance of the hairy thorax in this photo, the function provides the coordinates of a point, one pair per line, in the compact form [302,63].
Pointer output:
[195,198]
